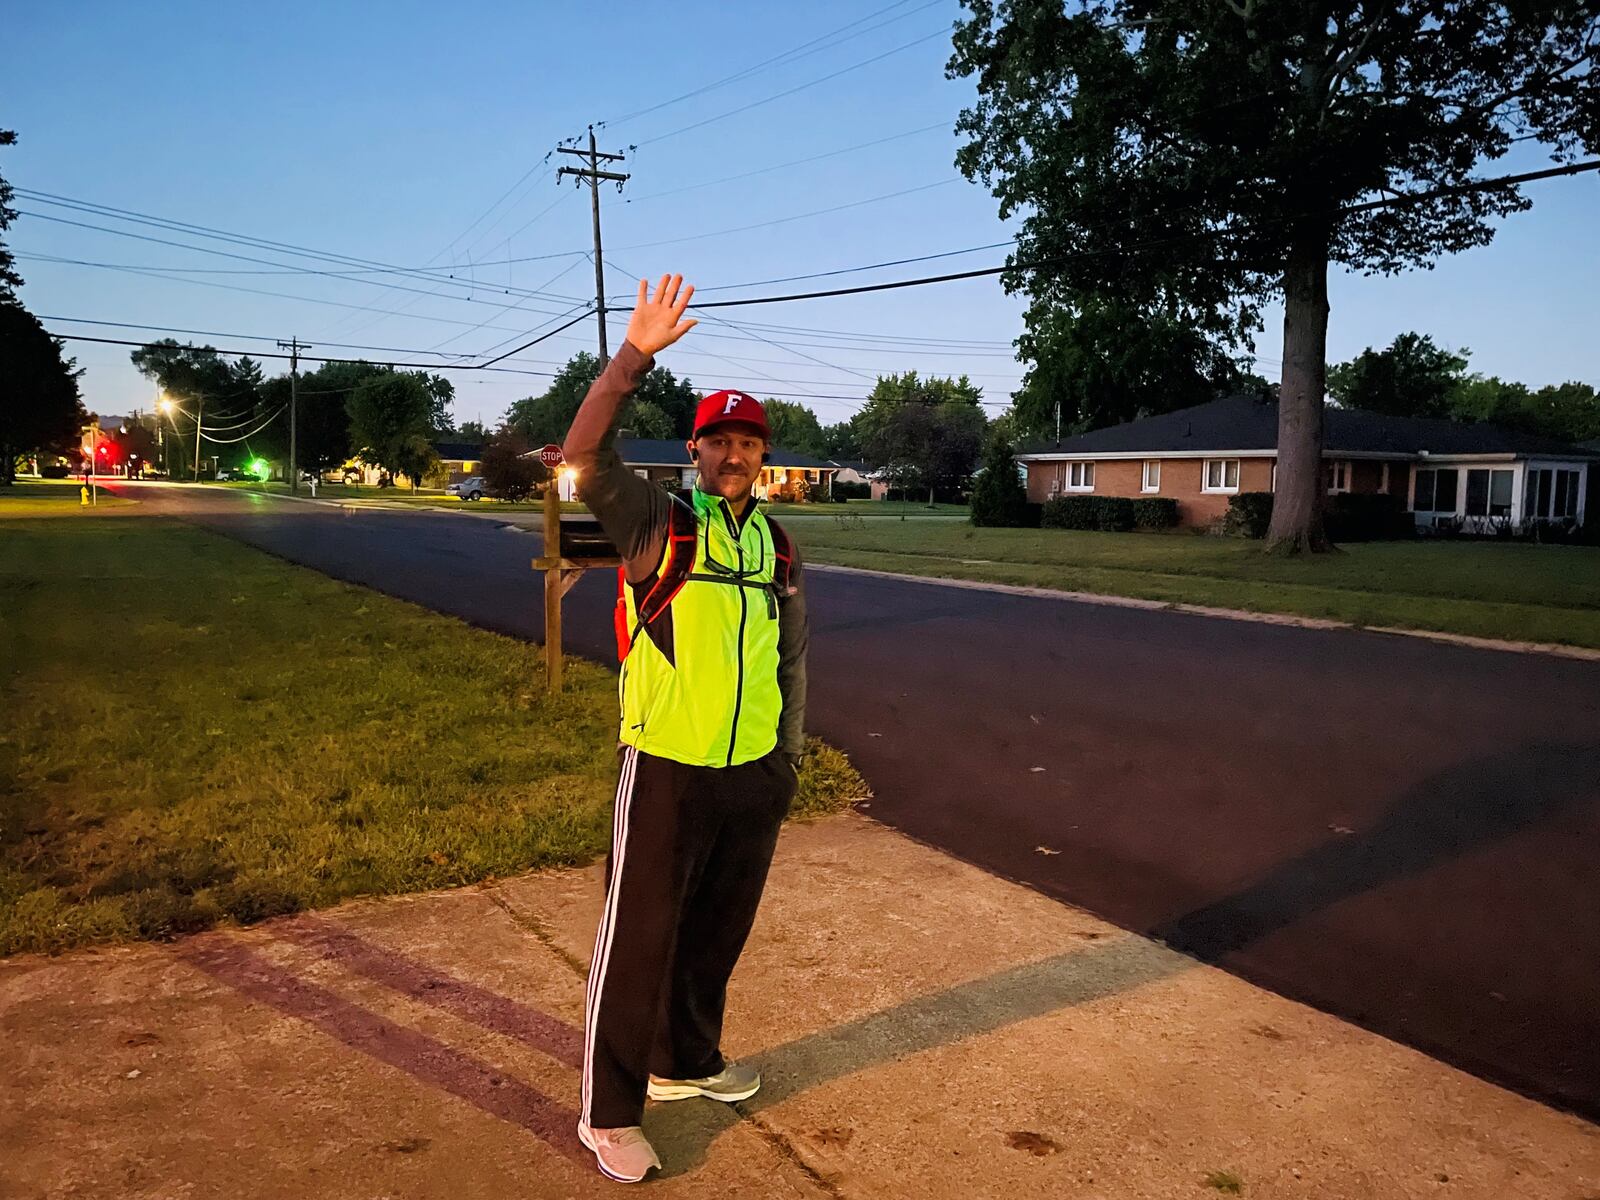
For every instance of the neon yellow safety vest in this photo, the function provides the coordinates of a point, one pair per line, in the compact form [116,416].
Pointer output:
[700,680]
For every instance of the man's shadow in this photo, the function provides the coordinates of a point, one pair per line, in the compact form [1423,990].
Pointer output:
[1453,813]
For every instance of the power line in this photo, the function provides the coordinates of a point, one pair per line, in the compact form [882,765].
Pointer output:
[1055,260]
[797,162]
[788,56]
[168,224]
[867,62]
[894,262]
[695,237]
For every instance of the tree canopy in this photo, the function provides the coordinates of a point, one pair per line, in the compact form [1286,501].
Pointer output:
[795,427]
[10,281]
[1413,377]
[391,422]
[40,409]
[1196,161]
[664,404]
[923,434]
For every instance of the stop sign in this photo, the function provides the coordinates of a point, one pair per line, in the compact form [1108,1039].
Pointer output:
[551,456]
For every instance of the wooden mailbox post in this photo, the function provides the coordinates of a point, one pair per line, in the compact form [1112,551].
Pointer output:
[570,549]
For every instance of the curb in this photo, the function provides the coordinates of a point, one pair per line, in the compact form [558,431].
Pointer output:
[1467,641]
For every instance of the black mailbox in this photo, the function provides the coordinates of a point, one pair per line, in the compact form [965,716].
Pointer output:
[583,541]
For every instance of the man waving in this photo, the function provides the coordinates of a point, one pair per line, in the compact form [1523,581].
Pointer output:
[712,635]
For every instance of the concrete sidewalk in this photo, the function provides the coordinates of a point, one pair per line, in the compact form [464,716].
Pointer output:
[925,1029]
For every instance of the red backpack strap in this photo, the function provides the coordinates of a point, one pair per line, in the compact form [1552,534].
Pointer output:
[783,568]
[682,532]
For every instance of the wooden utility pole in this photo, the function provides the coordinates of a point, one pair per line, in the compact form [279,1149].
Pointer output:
[199,412]
[594,175]
[293,346]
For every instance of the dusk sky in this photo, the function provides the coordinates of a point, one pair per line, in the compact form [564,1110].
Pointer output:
[418,139]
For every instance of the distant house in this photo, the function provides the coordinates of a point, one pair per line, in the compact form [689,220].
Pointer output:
[1440,470]
[853,470]
[461,459]
[784,477]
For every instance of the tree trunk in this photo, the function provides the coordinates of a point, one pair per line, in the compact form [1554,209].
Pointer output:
[1297,506]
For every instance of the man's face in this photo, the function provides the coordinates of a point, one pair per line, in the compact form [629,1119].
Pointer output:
[730,460]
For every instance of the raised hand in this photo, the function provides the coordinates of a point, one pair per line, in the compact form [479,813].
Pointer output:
[658,321]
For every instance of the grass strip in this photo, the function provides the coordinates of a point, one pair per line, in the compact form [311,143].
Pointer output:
[196,732]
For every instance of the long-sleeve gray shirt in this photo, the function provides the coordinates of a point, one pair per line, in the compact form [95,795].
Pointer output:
[636,516]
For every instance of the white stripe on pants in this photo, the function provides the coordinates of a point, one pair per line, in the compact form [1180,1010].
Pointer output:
[604,935]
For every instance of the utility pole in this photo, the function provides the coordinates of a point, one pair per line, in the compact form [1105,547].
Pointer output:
[199,412]
[594,175]
[294,345]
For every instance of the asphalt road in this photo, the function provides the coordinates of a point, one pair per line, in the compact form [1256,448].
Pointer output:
[1403,833]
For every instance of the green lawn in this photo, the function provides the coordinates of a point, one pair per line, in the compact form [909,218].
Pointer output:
[52,498]
[1488,589]
[869,510]
[197,732]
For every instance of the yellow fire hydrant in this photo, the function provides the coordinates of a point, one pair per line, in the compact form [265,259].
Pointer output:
[83,496]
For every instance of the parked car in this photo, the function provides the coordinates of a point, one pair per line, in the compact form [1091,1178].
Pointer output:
[233,475]
[470,488]
[352,475]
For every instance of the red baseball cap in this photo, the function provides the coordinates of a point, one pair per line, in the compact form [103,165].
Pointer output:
[729,408]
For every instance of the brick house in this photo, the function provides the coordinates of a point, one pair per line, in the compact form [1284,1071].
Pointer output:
[666,461]
[1440,470]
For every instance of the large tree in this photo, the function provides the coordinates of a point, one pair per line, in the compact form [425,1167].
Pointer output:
[795,427]
[10,281]
[391,422]
[40,410]
[546,418]
[1412,377]
[1096,359]
[1206,156]
[923,433]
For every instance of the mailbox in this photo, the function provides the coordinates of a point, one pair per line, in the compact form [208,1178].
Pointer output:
[583,541]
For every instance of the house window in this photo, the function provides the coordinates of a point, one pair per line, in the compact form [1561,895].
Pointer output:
[1080,477]
[1338,476]
[1488,493]
[1151,482]
[1437,490]
[1221,475]
[1552,494]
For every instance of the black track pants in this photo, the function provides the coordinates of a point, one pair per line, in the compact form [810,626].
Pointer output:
[690,848]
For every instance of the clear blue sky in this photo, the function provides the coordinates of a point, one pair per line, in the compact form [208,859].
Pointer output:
[387,138]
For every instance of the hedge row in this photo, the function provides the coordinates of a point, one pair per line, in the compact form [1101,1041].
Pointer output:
[1116,514]
[1349,517]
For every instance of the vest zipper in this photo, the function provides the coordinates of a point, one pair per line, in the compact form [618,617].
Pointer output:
[738,694]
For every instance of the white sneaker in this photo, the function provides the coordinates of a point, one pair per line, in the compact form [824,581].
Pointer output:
[733,1083]
[624,1154]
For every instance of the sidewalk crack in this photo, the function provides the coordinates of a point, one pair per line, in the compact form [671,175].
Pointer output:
[532,925]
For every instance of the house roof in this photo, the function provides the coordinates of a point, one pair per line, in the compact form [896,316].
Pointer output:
[1594,445]
[667,452]
[1248,423]
[466,451]
[852,464]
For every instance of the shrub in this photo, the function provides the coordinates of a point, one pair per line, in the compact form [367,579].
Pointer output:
[1249,514]
[1366,517]
[998,495]
[852,491]
[1155,512]
[1113,514]
[1068,512]
[509,470]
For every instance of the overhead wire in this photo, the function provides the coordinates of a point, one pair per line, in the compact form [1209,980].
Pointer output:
[793,54]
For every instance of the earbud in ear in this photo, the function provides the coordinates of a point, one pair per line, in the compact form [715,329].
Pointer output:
[694,456]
